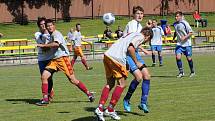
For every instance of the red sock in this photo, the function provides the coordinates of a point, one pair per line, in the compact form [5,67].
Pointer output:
[104,95]
[83,88]
[115,97]
[73,62]
[45,91]
[84,62]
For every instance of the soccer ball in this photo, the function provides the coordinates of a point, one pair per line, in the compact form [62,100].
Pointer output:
[108,18]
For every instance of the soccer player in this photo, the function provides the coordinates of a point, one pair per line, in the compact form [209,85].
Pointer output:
[139,74]
[156,42]
[183,46]
[77,38]
[60,62]
[44,54]
[115,68]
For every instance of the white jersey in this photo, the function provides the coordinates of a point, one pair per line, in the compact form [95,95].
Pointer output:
[132,26]
[77,38]
[69,36]
[62,50]
[182,28]
[118,50]
[157,35]
[43,53]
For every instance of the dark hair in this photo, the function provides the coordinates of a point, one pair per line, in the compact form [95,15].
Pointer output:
[77,24]
[147,32]
[39,20]
[154,20]
[136,8]
[49,21]
[179,13]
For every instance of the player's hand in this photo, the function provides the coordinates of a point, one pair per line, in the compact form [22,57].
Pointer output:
[139,65]
[40,45]
[183,38]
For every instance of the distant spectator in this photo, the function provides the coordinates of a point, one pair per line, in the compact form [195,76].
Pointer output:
[168,30]
[119,32]
[1,35]
[107,32]
[198,19]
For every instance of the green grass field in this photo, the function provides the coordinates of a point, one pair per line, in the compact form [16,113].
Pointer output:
[171,99]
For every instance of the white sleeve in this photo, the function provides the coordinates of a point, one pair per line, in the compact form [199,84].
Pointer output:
[125,32]
[137,40]
[37,35]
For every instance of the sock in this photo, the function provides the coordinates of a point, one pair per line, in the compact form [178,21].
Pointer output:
[160,59]
[84,62]
[45,91]
[115,97]
[190,62]
[73,62]
[179,64]
[153,58]
[50,84]
[131,89]
[104,97]
[83,88]
[145,91]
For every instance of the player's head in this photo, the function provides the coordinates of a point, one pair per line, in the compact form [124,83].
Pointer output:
[50,25]
[138,13]
[178,16]
[154,22]
[147,33]
[78,26]
[41,23]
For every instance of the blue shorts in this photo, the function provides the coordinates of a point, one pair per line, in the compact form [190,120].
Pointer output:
[156,47]
[132,66]
[42,65]
[187,51]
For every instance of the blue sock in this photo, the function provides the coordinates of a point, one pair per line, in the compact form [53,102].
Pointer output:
[179,64]
[190,62]
[131,89]
[153,58]
[145,91]
[160,59]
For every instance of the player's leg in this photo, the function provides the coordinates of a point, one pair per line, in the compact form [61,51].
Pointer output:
[190,60]
[44,78]
[145,90]
[115,98]
[160,57]
[178,53]
[153,48]
[84,61]
[73,59]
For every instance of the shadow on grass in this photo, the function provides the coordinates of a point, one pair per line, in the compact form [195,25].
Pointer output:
[164,76]
[88,118]
[33,101]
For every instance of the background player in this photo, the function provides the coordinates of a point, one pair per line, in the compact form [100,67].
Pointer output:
[184,45]
[115,68]
[60,62]
[77,38]
[156,42]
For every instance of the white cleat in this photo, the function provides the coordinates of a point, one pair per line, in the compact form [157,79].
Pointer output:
[113,114]
[192,74]
[180,75]
[99,115]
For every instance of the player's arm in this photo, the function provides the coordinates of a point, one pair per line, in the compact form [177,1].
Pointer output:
[144,50]
[131,52]
[54,44]
[184,38]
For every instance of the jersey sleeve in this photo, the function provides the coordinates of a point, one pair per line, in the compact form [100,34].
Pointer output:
[125,32]
[189,29]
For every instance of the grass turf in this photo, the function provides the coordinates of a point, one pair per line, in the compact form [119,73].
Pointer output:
[171,99]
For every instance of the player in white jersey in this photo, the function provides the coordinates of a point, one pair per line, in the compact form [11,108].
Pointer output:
[139,74]
[77,39]
[115,68]
[156,42]
[184,45]
[44,54]
[60,62]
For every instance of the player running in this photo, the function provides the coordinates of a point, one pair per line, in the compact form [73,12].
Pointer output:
[60,62]
[115,68]
[184,45]
[156,42]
